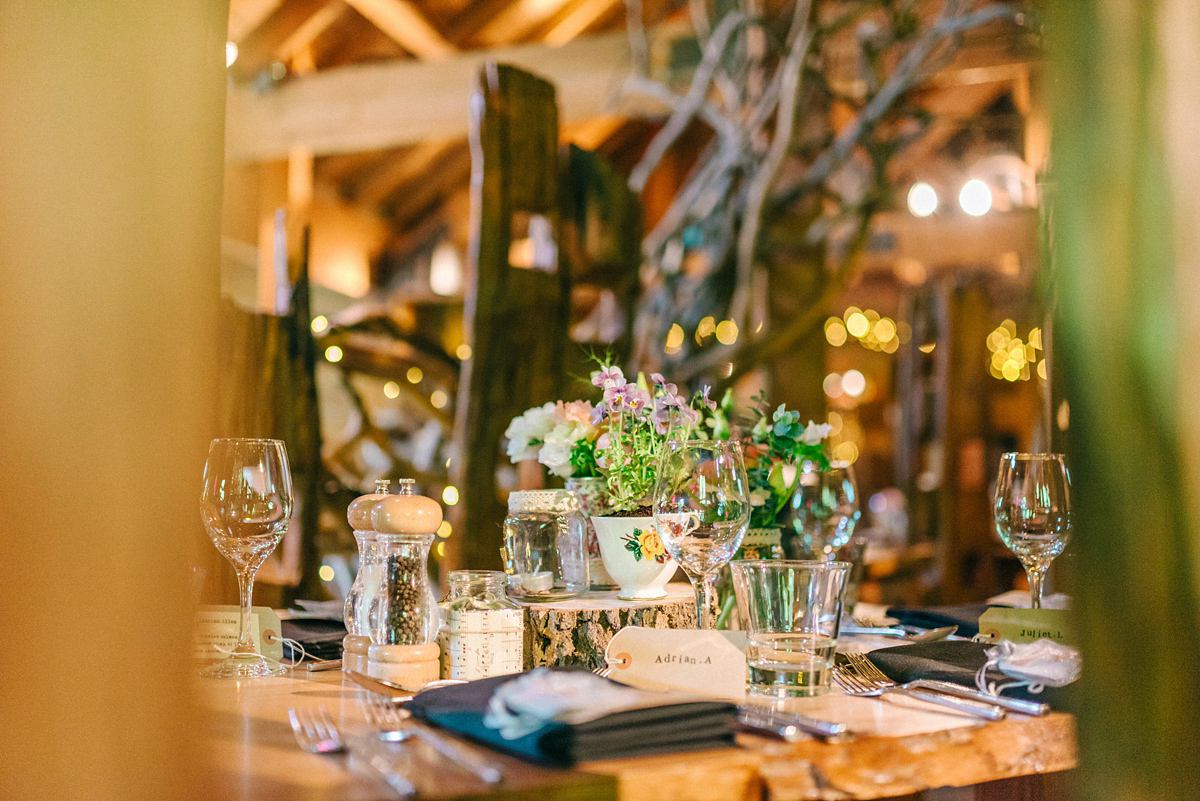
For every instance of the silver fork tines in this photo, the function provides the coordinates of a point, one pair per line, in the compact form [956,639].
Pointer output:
[388,717]
[315,731]
[856,678]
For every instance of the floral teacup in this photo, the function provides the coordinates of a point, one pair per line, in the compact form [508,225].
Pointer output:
[634,556]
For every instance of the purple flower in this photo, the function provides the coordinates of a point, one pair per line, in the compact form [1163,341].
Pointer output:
[598,413]
[711,404]
[657,379]
[609,377]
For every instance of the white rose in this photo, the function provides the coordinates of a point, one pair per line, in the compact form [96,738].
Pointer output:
[814,433]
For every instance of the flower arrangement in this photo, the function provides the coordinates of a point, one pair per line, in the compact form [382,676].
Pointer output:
[776,441]
[559,435]
[637,420]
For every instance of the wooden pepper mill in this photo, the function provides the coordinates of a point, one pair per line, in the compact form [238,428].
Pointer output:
[403,646]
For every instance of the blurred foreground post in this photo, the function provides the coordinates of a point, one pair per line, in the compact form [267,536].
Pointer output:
[110,192]
[1124,76]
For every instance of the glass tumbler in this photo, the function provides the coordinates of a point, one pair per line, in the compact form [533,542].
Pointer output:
[792,611]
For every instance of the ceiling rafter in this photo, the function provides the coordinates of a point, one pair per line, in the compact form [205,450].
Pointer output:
[246,15]
[404,23]
[371,188]
[302,38]
[577,20]
[515,22]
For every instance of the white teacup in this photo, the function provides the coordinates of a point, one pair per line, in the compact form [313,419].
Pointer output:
[634,556]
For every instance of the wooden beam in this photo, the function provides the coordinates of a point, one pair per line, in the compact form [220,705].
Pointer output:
[374,106]
[402,21]
[371,188]
[577,20]
[246,15]
[302,38]
[518,19]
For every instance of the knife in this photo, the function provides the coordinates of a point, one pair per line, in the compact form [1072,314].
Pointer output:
[1011,704]
[788,726]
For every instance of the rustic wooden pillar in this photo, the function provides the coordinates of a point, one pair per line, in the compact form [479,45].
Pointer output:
[515,319]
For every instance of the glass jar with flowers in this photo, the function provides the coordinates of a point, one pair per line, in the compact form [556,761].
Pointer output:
[562,437]
[636,420]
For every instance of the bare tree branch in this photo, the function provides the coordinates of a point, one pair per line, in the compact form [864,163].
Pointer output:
[691,103]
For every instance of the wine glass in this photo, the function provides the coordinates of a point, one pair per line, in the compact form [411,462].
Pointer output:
[1033,512]
[701,511]
[824,509]
[246,504]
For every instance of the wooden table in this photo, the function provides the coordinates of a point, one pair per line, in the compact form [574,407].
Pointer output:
[255,756]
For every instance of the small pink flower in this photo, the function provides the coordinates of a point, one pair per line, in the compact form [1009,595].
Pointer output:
[609,377]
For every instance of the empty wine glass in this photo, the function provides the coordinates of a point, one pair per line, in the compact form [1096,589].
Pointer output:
[824,509]
[701,511]
[246,504]
[1033,512]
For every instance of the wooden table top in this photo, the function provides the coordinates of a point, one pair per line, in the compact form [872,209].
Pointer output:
[905,749]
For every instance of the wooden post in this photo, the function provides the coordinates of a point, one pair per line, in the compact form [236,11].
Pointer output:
[515,319]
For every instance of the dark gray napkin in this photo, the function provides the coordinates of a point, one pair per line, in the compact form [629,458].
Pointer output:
[638,732]
[955,661]
[965,616]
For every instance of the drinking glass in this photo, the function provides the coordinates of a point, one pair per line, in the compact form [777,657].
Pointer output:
[246,503]
[792,613]
[1033,512]
[824,509]
[701,511]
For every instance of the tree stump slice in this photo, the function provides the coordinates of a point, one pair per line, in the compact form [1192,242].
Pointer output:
[576,632]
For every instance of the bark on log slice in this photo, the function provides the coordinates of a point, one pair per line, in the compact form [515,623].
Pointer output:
[577,631]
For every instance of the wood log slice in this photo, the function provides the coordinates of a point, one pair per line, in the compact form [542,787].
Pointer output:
[576,631]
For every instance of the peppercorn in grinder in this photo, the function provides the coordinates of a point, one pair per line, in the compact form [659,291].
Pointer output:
[403,619]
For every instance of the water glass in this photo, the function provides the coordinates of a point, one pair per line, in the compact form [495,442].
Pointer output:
[792,611]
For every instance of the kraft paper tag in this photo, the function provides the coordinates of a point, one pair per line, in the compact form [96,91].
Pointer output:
[1026,625]
[710,663]
[218,626]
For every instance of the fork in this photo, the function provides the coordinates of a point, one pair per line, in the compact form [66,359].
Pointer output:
[316,733]
[865,667]
[851,679]
[395,725]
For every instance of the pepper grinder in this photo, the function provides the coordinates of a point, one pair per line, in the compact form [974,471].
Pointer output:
[404,616]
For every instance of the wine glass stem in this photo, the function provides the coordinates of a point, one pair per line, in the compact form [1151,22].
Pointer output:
[1036,574]
[705,590]
[245,592]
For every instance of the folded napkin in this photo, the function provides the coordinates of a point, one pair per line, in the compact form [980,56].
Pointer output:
[611,721]
[965,616]
[954,661]
[322,639]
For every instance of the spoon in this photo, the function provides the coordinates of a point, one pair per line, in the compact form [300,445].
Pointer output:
[930,635]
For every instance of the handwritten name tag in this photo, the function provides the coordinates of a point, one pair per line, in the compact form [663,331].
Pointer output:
[1026,625]
[711,663]
[217,627]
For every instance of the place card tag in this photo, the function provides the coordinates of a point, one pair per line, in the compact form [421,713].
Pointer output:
[710,663]
[1026,625]
[218,626]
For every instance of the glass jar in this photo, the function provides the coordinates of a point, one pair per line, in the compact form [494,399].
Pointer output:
[482,630]
[403,610]
[593,500]
[545,551]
